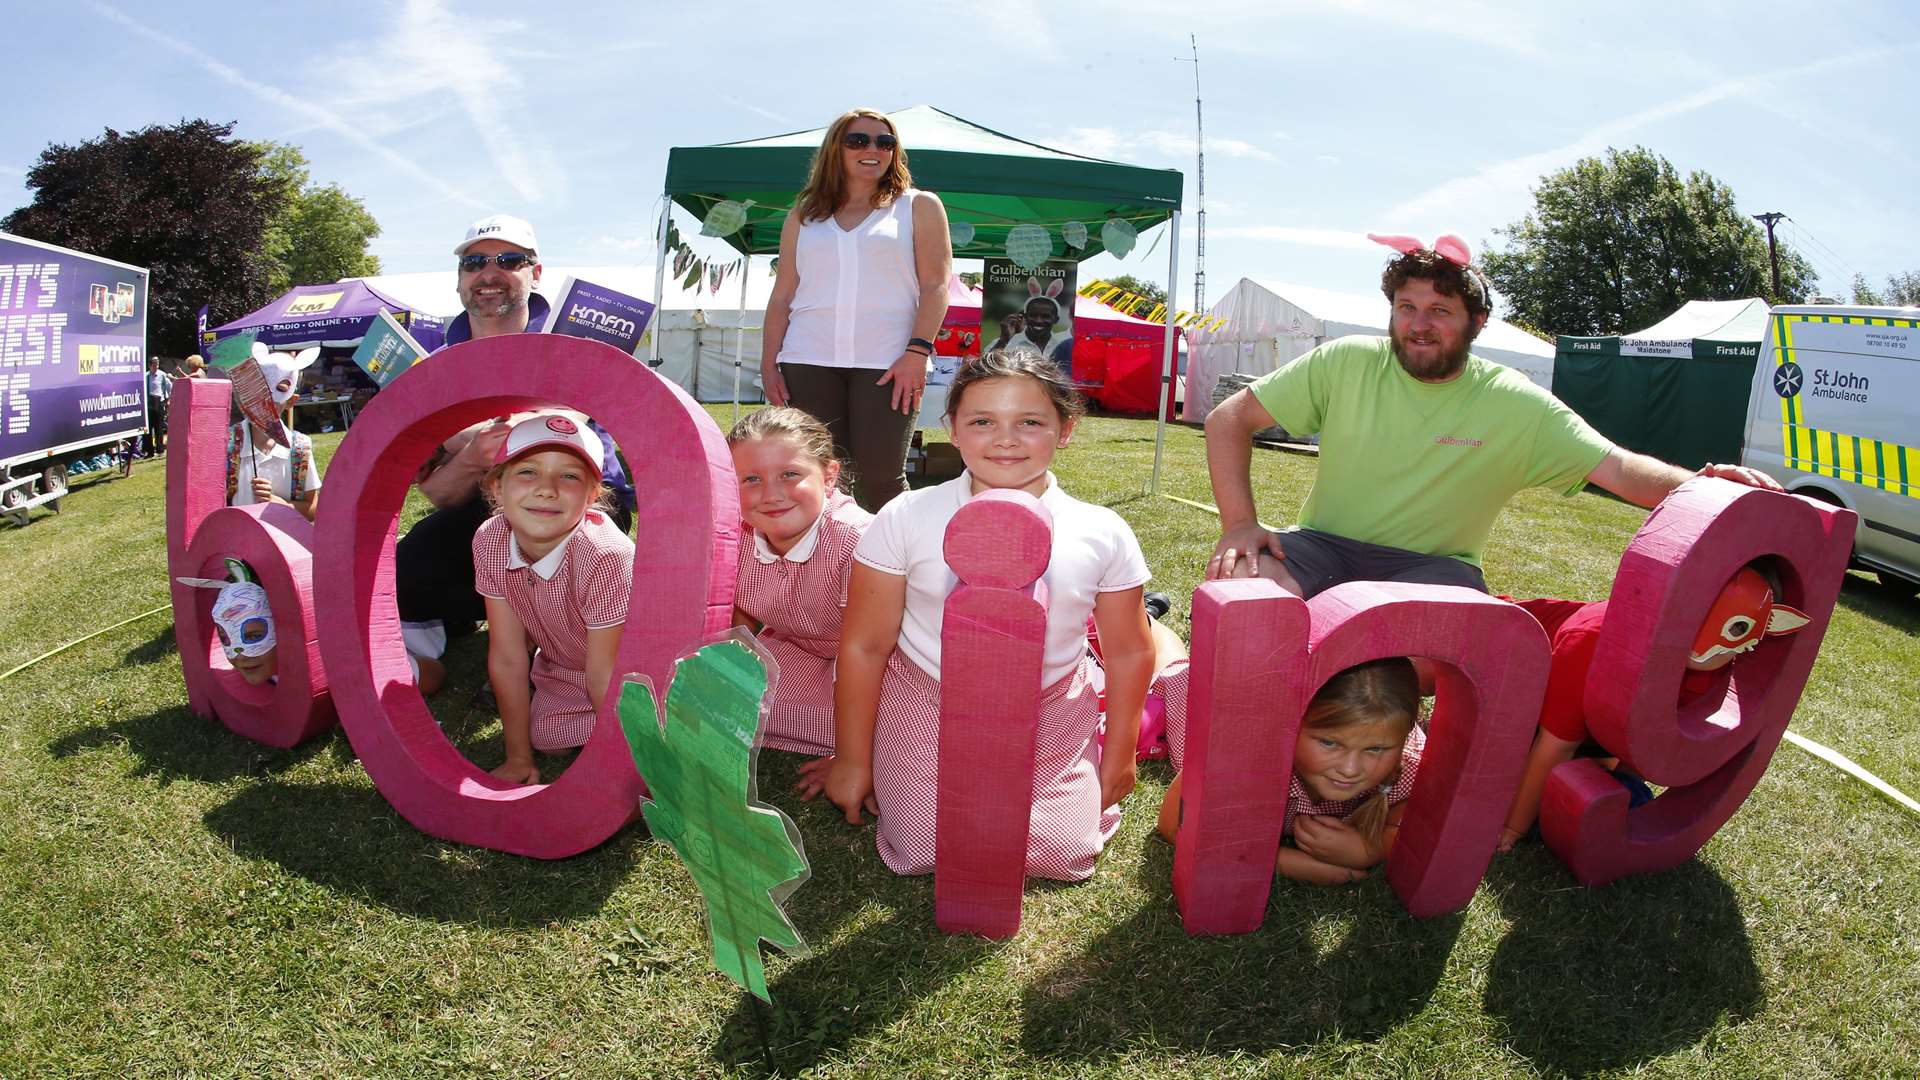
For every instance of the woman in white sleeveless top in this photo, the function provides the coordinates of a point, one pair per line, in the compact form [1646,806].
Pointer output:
[860,293]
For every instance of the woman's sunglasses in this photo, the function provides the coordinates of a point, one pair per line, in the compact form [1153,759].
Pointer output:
[510,261]
[860,140]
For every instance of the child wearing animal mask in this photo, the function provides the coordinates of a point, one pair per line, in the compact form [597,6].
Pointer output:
[260,469]
[1745,612]
[243,622]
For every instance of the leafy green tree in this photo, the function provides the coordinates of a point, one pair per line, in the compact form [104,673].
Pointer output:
[187,201]
[1903,289]
[1863,293]
[1617,243]
[1155,294]
[321,233]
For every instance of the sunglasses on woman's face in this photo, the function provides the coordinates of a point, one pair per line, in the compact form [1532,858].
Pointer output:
[510,261]
[860,140]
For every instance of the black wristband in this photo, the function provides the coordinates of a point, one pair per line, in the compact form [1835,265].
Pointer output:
[922,342]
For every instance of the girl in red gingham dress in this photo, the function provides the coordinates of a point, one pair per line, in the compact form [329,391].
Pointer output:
[1009,414]
[794,562]
[555,573]
[1353,769]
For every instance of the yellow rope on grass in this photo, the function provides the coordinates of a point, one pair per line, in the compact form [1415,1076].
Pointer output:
[1846,765]
[10,672]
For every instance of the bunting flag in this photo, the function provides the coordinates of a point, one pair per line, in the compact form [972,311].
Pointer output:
[1129,303]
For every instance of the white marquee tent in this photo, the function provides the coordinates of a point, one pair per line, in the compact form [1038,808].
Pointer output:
[1270,324]
[697,340]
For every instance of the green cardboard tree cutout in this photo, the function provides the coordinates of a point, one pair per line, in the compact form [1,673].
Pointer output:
[745,856]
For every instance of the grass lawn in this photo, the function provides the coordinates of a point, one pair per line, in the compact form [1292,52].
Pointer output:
[175,900]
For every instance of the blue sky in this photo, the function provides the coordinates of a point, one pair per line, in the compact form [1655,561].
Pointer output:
[1324,120]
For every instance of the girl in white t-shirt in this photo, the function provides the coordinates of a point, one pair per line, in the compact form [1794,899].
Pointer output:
[260,468]
[1009,414]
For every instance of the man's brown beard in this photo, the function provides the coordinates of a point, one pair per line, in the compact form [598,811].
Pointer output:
[1442,368]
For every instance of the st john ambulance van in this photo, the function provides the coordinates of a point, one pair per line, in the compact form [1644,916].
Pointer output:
[1834,414]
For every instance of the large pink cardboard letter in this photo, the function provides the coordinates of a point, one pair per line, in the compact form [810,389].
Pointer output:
[1490,674]
[1243,715]
[202,531]
[992,645]
[688,529]
[1710,751]
[1258,661]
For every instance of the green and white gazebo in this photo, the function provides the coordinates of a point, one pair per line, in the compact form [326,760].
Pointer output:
[988,180]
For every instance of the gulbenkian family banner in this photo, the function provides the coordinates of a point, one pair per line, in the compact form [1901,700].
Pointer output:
[73,342]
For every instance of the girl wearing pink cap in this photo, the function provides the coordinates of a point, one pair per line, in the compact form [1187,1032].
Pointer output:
[555,573]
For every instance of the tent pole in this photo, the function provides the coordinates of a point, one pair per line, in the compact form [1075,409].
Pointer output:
[740,335]
[1166,369]
[660,285]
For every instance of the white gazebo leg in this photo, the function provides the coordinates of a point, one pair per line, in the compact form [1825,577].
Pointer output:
[740,335]
[1166,371]
[659,282]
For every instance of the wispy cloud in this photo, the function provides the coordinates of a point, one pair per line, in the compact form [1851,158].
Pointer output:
[11,170]
[469,62]
[319,117]
[1498,192]
[1128,146]
[764,114]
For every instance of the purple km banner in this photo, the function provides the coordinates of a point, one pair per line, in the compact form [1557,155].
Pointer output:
[73,337]
[583,309]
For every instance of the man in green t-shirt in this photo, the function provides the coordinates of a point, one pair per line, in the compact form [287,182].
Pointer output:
[1421,444]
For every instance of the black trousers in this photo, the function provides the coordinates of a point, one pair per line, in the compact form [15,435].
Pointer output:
[870,434]
[433,567]
[156,425]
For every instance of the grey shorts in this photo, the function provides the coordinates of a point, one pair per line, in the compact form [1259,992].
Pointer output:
[1321,560]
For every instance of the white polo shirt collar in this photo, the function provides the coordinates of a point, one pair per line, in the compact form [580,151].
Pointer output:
[549,563]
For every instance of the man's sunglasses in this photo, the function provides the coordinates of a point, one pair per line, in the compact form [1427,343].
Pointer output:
[510,261]
[860,140]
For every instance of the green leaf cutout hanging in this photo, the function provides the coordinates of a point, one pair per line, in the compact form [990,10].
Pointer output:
[1028,246]
[725,218]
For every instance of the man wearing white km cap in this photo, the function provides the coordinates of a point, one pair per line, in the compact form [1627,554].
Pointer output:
[498,265]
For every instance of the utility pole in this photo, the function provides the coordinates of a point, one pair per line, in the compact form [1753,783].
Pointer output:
[1200,218]
[1773,254]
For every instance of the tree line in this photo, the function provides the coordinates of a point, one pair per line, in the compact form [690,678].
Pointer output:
[217,220]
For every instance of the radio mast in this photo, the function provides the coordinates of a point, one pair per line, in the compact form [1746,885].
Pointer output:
[1200,218]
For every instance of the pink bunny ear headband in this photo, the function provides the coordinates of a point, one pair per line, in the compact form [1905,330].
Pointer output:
[1447,246]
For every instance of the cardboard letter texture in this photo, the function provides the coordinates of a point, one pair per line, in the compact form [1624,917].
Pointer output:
[1490,674]
[682,594]
[744,855]
[992,644]
[1260,655]
[202,532]
[1243,714]
[1711,751]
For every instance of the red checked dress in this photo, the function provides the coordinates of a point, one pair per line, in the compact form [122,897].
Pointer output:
[558,601]
[1093,552]
[799,599]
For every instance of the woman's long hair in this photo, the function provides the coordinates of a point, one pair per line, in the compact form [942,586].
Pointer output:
[827,180]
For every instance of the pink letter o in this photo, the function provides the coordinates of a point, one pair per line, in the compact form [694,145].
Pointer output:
[688,532]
